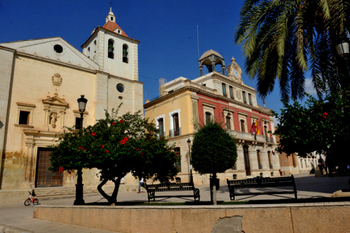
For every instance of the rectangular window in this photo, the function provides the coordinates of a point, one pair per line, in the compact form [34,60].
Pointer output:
[176,124]
[243,95]
[228,122]
[266,134]
[250,99]
[24,118]
[259,161]
[269,157]
[242,126]
[161,127]
[207,117]
[224,89]
[178,158]
[78,123]
[231,92]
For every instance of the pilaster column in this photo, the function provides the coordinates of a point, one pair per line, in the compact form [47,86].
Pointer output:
[253,157]
[240,157]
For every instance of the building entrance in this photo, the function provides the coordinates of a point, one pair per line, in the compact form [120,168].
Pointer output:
[246,160]
[45,177]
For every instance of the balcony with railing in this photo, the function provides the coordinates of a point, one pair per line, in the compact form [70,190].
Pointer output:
[251,137]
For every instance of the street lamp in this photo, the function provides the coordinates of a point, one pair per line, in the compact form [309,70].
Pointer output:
[82,105]
[343,51]
[189,153]
[79,186]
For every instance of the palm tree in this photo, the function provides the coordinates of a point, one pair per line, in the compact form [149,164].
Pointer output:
[285,38]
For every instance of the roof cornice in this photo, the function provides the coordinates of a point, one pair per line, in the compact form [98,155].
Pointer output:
[106,30]
[206,93]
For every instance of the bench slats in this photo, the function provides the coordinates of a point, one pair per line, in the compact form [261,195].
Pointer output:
[260,182]
[170,187]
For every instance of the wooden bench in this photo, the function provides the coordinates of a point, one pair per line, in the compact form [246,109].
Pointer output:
[261,182]
[170,187]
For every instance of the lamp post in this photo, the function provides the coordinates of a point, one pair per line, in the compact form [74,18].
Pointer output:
[343,51]
[79,186]
[189,153]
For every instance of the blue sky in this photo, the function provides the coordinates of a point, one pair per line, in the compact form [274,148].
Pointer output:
[167,31]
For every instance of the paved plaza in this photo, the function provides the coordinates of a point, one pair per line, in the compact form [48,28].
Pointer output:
[16,215]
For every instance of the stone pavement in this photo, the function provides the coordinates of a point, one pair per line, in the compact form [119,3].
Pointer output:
[19,218]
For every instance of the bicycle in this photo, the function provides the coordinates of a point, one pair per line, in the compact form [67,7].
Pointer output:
[32,200]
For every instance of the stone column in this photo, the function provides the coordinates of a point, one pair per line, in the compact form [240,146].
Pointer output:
[213,65]
[223,69]
[200,70]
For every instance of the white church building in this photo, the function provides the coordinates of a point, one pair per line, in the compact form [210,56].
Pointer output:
[41,81]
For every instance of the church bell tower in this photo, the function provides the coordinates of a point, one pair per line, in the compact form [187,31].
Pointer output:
[113,50]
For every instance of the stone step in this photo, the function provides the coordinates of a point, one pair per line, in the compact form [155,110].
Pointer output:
[61,192]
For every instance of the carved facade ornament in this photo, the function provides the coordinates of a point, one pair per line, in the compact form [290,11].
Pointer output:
[234,71]
[238,95]
[56,79]
[54,112]
[53,119]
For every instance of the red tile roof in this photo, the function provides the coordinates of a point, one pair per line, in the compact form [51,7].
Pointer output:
[112,26]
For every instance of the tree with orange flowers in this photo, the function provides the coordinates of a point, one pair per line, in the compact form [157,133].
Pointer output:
[117,146]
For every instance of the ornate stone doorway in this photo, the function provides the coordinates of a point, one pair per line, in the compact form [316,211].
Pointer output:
[246,160]
[45,177]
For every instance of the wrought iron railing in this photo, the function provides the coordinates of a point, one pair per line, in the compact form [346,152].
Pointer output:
[175,132]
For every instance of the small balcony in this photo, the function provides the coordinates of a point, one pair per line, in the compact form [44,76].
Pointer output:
[251,137]
[174,132]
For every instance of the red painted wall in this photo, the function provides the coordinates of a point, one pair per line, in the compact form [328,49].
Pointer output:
[219,110]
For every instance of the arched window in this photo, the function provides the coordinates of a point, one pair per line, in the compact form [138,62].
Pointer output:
[111,49]
[125,53]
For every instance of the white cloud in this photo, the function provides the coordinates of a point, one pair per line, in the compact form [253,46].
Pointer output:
[309,87]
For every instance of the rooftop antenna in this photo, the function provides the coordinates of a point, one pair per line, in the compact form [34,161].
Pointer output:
[197,41]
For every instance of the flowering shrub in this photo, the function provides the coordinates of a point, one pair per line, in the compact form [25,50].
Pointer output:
[318,125]
[117,146]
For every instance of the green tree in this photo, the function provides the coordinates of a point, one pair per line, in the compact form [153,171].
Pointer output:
[319,125]
[117,146]
[213,151]
[284,38]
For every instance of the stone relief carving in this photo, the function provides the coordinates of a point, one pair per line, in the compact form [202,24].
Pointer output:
[56,79]
[238,95]
[54,112]
[53,119]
